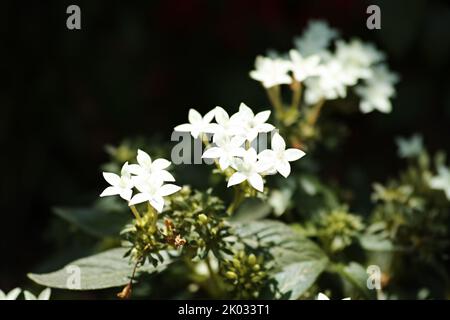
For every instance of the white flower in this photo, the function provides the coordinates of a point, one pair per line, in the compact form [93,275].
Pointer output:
[44,295]
[316,38]
[271,72]
[253,124]
[356,58]
[120,185]
[197,124]
[152,189]
[250,169]
[230,126]
[442,181]
[377,90]
[322,296]
[12,295]
[279,157]
[147,166]
[304,67]
[227,148]
[410,148]
[331,83]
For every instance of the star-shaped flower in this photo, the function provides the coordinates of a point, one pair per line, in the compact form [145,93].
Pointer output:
[44,295]
[410,148]
[271,72]
[227,148]
[279,157]
[442,181]
[250,169]
[147,166]
[197,124]
[230,126]
[120,185]
[152,189]
[304,67]
[12,295]
[254,124]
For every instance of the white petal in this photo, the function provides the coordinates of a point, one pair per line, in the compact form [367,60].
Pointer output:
[160,164]
[265,127]
[224,162]
[321,296]
[135,169]
[221,116]
[250,156]
[237,141]
[278,143]
[185,127]
[262,116]
[28,295]
[267,155]
[211,128]
[252,134]
[168,189]
[284,168]
[264,165]
[45,294]
[256,182]
[209,116]
[139,198]
[143,158]
[244,110]
[125,169]
[12,295]
[194,116]
[112,178]
[236,178]
[212,153]
[126,194]
[157,203]
[195,132]
[293,154]
[110,191]
[163,175]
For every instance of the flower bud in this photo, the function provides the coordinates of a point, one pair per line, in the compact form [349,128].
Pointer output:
[202,218]
[251,259]
[231,275]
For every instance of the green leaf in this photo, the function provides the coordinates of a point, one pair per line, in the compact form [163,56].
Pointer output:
[252,209]
[356,276]
[105,219]
[296,261]
[104,270]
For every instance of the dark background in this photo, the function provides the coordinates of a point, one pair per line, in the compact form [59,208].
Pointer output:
[135,68]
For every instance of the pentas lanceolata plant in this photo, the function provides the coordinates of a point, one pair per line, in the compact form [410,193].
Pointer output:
[287,231]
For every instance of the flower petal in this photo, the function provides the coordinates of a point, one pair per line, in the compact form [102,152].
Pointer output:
[256,181]
[209,116]
[143,158]
[221,116]
[278,144]
[236,178]
[157,203]
[224,162]
[160,164]
[293,154]
[168,189]
[265,127]
[45,294]
[29,296]
[321,296]
[262,116]
[185,127]
[139,198]
[212,153]
[194,116]
[164,175]
[284,168]
[112,178]
[110,191]
[126,194]
[12,295]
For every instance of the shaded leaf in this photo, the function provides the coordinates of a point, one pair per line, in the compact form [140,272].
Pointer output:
[252,209]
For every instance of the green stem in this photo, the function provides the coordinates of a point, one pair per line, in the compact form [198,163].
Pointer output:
[315,112]
[237,200]
[135,213]
[296,94]
[274,95]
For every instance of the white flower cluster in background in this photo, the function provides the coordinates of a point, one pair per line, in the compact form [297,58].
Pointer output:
[233,136]
[328,74]
[322,296]
[147,177]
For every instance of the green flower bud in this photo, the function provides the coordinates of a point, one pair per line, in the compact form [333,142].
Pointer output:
[236,263]
[256,267]
[251,259]
[202,218]
[231,275]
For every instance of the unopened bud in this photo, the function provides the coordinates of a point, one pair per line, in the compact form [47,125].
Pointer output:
[251,259]
[202,218]
[231,275]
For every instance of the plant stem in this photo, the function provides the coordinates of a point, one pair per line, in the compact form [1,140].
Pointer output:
[213,276]
[296,94]
[274,95]
[238,198]
[135,213]
[315,112]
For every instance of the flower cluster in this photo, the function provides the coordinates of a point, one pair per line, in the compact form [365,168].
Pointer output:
[234,148]
[327,74]
[147,176]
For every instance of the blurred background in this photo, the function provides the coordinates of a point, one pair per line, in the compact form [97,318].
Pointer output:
[135,68]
